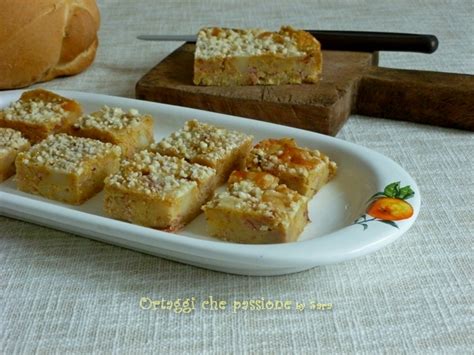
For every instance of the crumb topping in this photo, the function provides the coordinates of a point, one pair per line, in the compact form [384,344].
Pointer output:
[276,202]
[11,139]
[284,156]
[201,140]
[66,153]
[37,111]
[152,173]
[261,179]
[224,42]
[110,118]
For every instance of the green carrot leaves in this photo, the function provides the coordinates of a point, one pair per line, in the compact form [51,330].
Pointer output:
[406,192]
[394,190]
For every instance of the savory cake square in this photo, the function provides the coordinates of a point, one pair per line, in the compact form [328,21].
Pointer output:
[65,168]
[301,169]
[128,129]
[39,113]
[226,57]
[158,191]
[11,143]
[201,143]
[255,209]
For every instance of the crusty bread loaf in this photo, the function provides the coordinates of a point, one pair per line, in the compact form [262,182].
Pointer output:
[44,39]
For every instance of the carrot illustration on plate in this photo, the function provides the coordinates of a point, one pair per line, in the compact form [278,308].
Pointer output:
[388,206]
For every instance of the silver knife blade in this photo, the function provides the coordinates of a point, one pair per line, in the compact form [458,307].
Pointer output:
[172,38]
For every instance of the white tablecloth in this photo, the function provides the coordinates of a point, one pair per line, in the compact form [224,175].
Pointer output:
[64,293]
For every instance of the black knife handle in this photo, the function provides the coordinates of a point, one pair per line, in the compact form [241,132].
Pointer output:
[375,41]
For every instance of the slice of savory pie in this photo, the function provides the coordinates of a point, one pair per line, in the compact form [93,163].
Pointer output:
[226,57]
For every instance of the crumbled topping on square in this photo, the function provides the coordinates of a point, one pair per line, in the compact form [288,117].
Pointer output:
[283,155]
[35,111]
[225,42]
[110,118]
[199,139]
[260,193]
[153,173]
[66,153]
[230,57]
[11,139]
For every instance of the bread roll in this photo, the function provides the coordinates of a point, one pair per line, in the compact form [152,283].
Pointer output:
[44,39]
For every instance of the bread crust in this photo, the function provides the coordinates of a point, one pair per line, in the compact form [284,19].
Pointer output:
[46,39]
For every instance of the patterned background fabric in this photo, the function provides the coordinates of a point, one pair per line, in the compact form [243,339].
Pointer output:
[63,293]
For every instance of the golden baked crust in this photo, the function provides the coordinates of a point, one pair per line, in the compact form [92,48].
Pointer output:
[255,209]
[158,191]
[206,144]
[301,169]
[11,143]
[39,113]
[46,39]
[65,168]
[128,129]
[226,57]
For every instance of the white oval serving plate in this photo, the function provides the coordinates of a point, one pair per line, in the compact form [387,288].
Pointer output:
[331,237]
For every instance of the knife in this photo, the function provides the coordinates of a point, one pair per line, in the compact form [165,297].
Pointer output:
[356,41]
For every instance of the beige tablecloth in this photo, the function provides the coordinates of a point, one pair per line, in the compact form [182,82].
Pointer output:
[64,293]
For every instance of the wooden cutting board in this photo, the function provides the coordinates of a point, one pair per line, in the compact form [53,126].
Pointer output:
[351,83]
